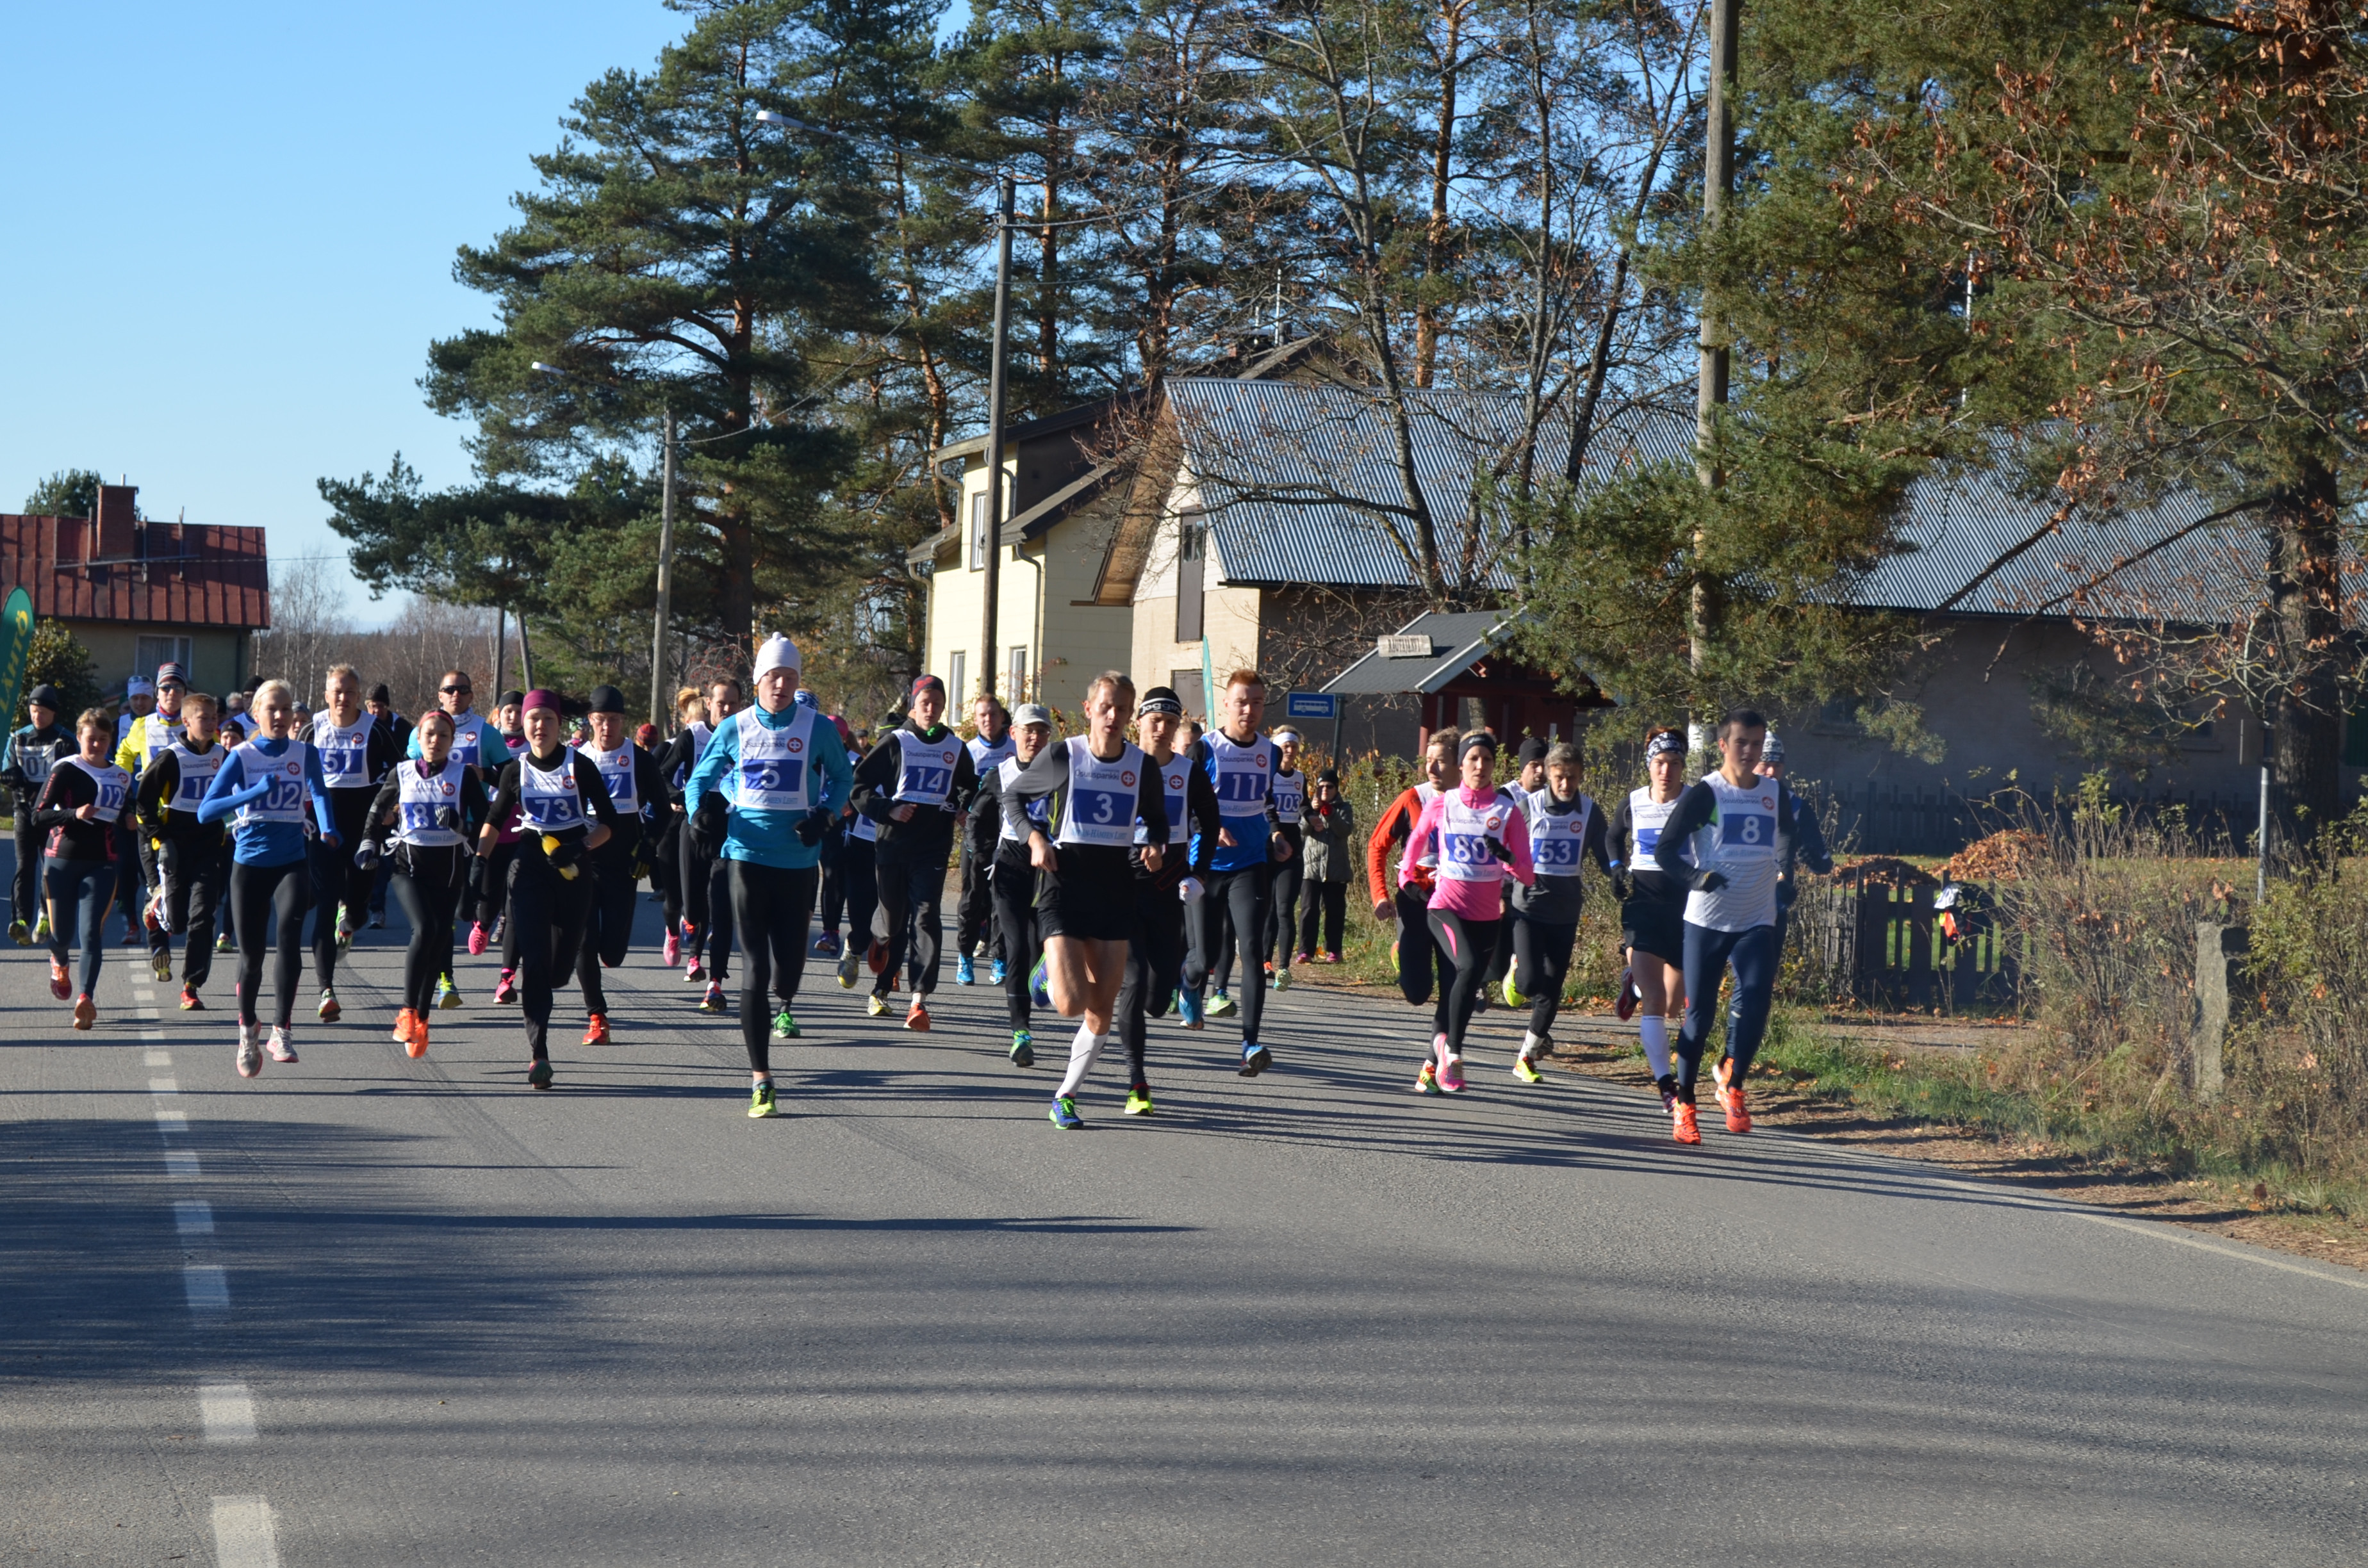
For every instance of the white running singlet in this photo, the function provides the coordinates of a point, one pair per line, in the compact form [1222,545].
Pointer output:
[422,797]
[775,773]
[344,751]
[285,802]
[1102,796]
[549,801]
[195,773]
[1739,843]
[1464,835]
[114,788]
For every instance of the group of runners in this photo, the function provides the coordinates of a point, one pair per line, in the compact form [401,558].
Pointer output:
[1105,878]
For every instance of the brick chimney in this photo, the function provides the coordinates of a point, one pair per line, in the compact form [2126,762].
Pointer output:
[112,520]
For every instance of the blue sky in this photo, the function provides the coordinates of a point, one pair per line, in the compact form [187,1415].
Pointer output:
[231,233]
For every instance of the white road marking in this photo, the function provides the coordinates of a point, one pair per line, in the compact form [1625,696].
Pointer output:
[148,1012]
[151,1034]
[171,1123]
[164,1086]
[243,1537]
[180,1162]
[160,1059]
[193,1216]
[229,1412]
[2164,1232]
[208,1286]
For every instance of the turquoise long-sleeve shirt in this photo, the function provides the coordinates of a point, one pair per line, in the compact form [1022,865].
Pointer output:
[265,843]
[769,838]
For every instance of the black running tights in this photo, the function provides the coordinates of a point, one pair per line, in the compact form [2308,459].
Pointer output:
[258,894]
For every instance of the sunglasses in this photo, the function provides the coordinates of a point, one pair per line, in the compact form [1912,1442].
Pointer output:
[458,690]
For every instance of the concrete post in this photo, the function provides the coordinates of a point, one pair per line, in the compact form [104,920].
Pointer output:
[2220,953]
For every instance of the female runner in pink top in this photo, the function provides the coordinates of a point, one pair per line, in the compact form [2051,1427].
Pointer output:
[1482,837]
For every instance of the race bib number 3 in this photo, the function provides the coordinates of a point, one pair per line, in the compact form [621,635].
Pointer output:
[1104,807]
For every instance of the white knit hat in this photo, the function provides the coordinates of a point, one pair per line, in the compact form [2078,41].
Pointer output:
[779,653]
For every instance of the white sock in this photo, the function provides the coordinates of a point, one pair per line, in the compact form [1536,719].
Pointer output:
[1653,1030]
[1082,1051]
[1531,1042]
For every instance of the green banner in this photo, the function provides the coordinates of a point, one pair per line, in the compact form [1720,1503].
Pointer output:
[15,649]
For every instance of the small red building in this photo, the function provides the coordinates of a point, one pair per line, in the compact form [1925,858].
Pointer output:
[137,593]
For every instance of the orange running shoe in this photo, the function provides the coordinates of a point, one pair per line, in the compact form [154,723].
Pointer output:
[1730,1101]
[61,986]
[597,1032]
[406,1022]
[919,1018]
[85,1013]
[1685,1131]
[418,1044]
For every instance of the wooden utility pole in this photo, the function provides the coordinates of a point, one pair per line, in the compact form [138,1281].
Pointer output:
[1718,183]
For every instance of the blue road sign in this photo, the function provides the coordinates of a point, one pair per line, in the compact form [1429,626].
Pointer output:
[1311,704]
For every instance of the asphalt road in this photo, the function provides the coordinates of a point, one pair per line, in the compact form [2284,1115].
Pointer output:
[365,1310]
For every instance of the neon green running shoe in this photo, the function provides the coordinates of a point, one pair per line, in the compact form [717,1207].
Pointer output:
[446,994]
[1513,997]
[1064,1115]
[1138,1102]
[784,1025]
[760,1100]
[1023,1048]
[1526,1070]
[875,1005]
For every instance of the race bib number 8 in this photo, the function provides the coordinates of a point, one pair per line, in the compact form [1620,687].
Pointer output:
[1747,830]
[418,814]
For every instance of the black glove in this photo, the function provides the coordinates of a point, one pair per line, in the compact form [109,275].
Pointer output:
[812,826]
[1496,847]
[710,823]
[1624,886]
[1708,881]
[367,856]
[448,819]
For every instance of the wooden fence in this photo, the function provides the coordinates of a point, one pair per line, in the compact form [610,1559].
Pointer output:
[1884,945]
[1890,818]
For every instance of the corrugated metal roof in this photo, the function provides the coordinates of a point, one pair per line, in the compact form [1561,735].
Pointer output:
[169,574]
[1295,477]
[1457,640]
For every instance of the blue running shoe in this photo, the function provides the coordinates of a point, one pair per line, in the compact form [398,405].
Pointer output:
[1188,1003]
[1255,1059]
[1036,990]
[1064,1115]
[964,973]
[997,973]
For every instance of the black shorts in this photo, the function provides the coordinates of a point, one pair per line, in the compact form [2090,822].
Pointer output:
[1656,928]
[1092,897]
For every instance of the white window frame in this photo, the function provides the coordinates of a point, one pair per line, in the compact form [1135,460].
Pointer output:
[1018,689]
[956,673]
[978,531]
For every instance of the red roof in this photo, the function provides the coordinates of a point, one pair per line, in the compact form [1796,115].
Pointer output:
[117,569]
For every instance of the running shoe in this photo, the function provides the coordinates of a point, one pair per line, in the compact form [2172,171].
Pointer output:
[1450,1076]
[222,944]
[1427,1081]
[1480,1002]
[149,921]
[875,957]
[1220,1004]
[479,938]
[539,1075]
[1730,1097]
[1626,1006]
[1304,958]
[190,1001]
[1332,955]
[846,966]
[378,922]
[1513,997]
[785,1024]
[1282,980]
[1064,1115]
[1526,1070]
[345,928]
[330,1011]
[282,1047]
[712,1000]
[1268,971]
[250,1053]
[1187,1007]
[1037,992]
[417,1046]
[506,988]
[693,972]
[160,962]
[1138,1101]
[595,1029]
[1255,1059]
[916,1018]
[86,1011]
[447,995]
[1684,1128]
[673,949]
[406,1022]
[41,929]
[501,925]
[61,986]
[825,945]
[997,973]
[1669,1087]
[874,1005]
[20,933]
[1023,1048]
[760,1100]
[964,973]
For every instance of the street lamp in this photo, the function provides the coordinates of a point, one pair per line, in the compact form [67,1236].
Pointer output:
[666,562]
[996,353]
